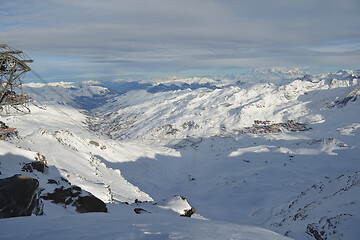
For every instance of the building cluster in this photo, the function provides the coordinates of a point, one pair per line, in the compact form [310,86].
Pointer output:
[263,127]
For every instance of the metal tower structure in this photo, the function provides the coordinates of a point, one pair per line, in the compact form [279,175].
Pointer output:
[13,66]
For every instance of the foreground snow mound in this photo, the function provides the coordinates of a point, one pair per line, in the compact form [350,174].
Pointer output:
[180,205]
[124,224]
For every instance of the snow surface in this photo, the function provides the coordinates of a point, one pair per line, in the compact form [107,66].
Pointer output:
[141,148]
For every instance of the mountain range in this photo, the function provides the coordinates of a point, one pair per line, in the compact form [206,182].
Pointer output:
[269,154]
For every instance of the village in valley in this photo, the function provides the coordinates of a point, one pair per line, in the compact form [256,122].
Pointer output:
[264,127]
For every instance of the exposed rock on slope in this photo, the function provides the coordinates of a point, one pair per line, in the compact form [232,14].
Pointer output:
[327,210]
[72,196]
[351,97]
[179,204]
[18,196]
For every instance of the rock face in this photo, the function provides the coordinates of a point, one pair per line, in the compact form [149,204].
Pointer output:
[324,211]
[30,167]
[72,196]
[140,211]
[89,204]
[18,196]
[349,98]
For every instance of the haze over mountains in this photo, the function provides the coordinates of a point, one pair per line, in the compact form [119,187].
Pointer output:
[262,155]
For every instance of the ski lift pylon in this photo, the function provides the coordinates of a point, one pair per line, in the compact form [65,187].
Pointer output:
[5,130]
[13,66]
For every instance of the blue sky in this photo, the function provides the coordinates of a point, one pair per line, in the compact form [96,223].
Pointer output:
[110,39]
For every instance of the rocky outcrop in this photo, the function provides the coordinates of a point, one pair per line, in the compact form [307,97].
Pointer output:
[74,196]
[179,204]
[140,211]
[36,165]
[89,203]
[264,127]
[351,97]
[324,210]
[188,212]
[327,228]
[18,196]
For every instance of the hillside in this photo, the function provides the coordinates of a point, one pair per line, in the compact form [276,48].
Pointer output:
[224,111]
[271,149]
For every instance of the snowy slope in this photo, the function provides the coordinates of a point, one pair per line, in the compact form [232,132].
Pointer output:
[206,112]
[77,155]
[124,224]
[145,145]
[238,177]
[57,133]
[328,209]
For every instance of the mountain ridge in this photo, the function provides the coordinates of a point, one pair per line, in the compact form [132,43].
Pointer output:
[238,152]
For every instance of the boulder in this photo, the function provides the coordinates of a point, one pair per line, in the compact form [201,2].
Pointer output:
[89,203]
[140,211]
[74,196]
[36,165]
[188,212]
[18,196]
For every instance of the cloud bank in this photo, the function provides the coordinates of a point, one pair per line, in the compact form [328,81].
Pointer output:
[109,38]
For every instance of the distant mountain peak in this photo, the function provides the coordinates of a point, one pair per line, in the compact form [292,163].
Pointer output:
[279,70]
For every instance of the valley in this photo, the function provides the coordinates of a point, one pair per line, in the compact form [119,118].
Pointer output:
[257,159]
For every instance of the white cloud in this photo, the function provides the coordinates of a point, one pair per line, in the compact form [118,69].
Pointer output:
[166,35]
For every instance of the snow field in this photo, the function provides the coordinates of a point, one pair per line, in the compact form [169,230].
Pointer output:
[153,146]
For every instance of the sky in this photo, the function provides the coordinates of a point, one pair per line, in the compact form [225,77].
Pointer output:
[117,39]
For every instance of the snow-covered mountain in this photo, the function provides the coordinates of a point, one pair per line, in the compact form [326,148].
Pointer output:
[213,111]
[272,149]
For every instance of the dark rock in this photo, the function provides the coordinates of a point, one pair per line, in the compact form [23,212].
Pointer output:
[89,204]
[37,165]
[52,181]
[71,196]
[350,97]
[60,195]
[313,231]
[188,212]
[65,180]
[140,210]
[18,196]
